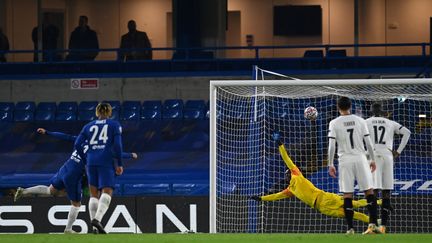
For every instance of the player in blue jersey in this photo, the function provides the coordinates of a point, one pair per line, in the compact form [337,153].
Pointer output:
[104,140]
[67,180]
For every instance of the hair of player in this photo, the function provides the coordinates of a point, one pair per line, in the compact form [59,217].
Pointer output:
[103,110]
[376,109]
[344,103]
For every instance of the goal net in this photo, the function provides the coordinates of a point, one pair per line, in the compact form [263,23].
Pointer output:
[245,161]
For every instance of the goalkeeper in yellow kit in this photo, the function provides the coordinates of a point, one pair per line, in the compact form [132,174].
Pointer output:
[327,203]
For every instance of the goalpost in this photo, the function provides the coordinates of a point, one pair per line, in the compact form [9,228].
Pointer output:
[244,161]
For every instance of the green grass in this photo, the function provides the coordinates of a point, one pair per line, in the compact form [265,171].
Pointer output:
[213,238]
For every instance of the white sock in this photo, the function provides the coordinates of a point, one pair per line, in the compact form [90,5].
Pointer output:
[72,216]
[37,190]
[104,202]
[92,206]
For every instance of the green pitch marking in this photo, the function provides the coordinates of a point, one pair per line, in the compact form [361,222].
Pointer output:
[216,238]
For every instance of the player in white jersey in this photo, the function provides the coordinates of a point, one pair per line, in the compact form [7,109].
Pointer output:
[350,132]
[382,132]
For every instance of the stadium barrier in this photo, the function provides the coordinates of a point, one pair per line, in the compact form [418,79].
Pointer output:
[125,215]
[186,214]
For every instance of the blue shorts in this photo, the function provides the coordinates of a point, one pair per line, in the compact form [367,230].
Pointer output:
[70,181]
[101,176]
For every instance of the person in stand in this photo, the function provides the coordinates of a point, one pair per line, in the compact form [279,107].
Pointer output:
[50,35]
[134,39]
[4,46]
[83,42]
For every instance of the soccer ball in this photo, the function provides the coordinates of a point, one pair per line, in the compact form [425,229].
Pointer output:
[310,113]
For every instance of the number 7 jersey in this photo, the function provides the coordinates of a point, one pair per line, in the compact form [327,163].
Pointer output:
[104,142]
[349,132]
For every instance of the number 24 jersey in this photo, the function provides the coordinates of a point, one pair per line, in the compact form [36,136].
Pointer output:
[104,142]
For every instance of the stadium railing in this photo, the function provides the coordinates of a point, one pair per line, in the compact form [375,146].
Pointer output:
[213,59]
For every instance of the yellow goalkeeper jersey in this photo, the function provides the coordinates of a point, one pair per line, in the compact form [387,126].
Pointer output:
[299,186]
[302,188]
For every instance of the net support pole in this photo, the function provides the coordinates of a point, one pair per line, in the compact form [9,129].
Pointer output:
[212,196]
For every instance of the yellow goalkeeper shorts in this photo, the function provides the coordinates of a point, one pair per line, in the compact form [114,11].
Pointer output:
[330,204]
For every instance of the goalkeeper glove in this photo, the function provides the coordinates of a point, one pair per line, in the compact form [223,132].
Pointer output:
[256,198]
[276,138]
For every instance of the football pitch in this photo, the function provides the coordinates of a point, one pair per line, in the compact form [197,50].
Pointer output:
[216,238]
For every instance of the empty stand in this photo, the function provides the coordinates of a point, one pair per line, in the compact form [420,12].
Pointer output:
[46,106]
[66,115]
[23,115]
[25,106]
[194,109]
[151,110]
[172,109]
[7,106]
[6,116]
[67,106]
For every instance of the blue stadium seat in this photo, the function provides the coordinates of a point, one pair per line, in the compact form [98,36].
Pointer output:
[130,115]
[7,106]
[45,115]
[194,109]
[115,114]
[23,115]
[173,104]
[193,114]
[197,104]
[67,106]
[25,106]
[86,115]
[115,104]
[6,116]
[131,105]
[149,114]
[151,109]
[88,105]
[152,105]
[67,115]
[172,114]
[46,106]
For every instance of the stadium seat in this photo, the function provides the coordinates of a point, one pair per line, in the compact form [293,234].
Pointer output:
[7,106]
[131,105]
[115,104]
[200,104]
[151,109]
[67,106]
[86,115]
[88,105]
[149,114]
[44,115]
[173,104]
[172,114]
[6,116]
[194,109]
[130,115]
[193,114]
[152,105]
[313,54]
[23,115]
[67,115]
[115,114]
[46,106]
[337,53]
[25,106]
